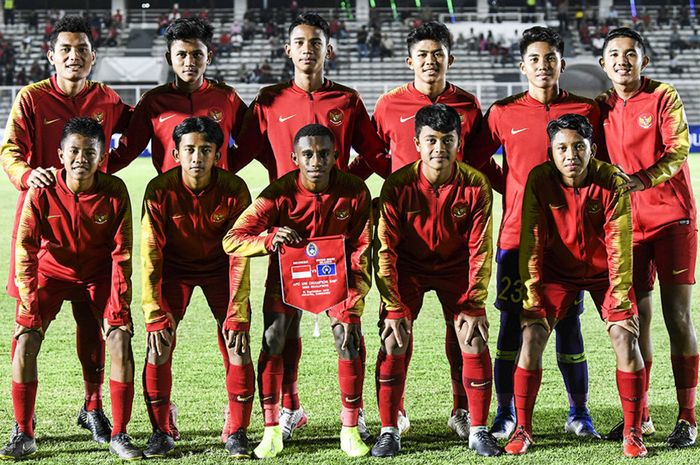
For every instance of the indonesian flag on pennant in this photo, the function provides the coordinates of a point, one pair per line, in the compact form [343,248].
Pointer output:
[314,273]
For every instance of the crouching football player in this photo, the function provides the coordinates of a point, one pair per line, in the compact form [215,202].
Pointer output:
[577,235]
[435,234]
[74,243]
[186,213]
[315,200]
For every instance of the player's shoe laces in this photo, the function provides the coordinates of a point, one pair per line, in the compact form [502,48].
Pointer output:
[484,444]
[237,445]
[362,426]
[683,435]
[351,443]
[632,445]
[122,447]
[159,444]
[519,443]
[291,420]
[504,422]
[403,423]
[459,423]
[580,423]
[615,433]
[97,423]
[15,428]
[20,446]
[388,444]
[271,443]
[174,432]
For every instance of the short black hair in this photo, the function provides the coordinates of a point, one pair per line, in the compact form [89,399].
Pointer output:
[314,130]
[71,24]
[578,123]
[192,28]
[311,19]
[541,34]
[625,32]
[430,31]
[86,127]
[202,124]
[438,117]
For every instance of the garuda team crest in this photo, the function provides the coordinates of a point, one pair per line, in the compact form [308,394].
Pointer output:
[99,116]
[459,211]
[100,218]
[216,114]
[342,214]
[335,117]
[594,207]
[645,120]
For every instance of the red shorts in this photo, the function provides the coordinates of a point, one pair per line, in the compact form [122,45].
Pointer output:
[177,294]
[558,299]
[51,293]
[451,292]
[671,254]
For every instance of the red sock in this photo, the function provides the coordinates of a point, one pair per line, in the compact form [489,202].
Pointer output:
[222,348]
[91,352]
[454,357]
[269,384]
[407,362]
[240,385]
[631,388]
[477,377]
[647,377]
[350,380]
[392,382]
[685,374]
[526,384]
[291,356]
[23,401]
[157,387]
[122,397]
[363,358]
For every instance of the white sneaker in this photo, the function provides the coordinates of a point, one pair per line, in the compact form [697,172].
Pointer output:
[362,426]
[404,423]
[291,420]
[459,423]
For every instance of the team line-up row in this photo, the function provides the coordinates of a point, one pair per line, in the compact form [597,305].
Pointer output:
[570,223]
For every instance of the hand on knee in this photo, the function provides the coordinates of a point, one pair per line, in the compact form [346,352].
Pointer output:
[396,335]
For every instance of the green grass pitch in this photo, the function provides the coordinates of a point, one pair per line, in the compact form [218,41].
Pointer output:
[200,394]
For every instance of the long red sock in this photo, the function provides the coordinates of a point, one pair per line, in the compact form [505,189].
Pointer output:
[391,381]
[477,377]
[240,385]
[157,387]
[90,346]
[363,358]
[23,401]
[407,361]
[685,374]
[631,388]
[454,357]
[647,377]
[526,385]
[269,384]
[350,380]
[122,397]
[291,356]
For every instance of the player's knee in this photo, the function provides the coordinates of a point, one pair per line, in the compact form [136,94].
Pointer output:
[350,351]
[625,343]
[678,318]
[28,345]
[534,342]
[119,344]
[273,340]
[154,358]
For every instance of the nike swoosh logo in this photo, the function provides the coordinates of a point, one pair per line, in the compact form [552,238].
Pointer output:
[243,399]
[556,207]
[351,401]
[163,120]
[517,131]
[414,212]
[477,385]
[264,399]
[177,216]
[386,380]
[50,121]
[283,119]
[578,301]
[578,358]
[403,120]
[53,216]
[677,272]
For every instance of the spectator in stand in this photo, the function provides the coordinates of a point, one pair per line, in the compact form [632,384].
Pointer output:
[21,78]
[48,30]
[343,31]
[236,28]
[26,44]
[334,27]
[270,30]
[204,14]
[265,73]
[112,36]
[386,48]
[163,23]
[663,18]
[248,29]
[237,43]
[118,19]
[674,65]
[9,12]
[224,47]
[563,15]
[33,21]
[174,13]
[613,18]
[374,43]
[36,74]
[362,50]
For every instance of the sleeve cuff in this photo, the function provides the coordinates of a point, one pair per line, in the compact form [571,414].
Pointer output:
[23,181]
[268,239]
[230,325]
[475,311]
[644,177]
[534,313]
[31,322]
[158,325]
